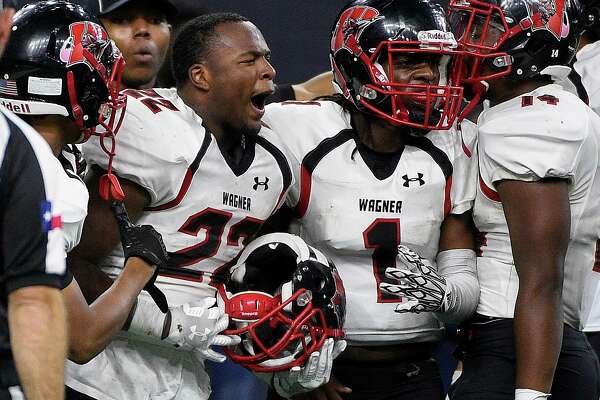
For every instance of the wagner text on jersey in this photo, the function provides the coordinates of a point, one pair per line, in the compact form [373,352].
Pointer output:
[379,205]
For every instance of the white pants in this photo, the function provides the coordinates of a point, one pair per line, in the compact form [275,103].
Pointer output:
[132,370]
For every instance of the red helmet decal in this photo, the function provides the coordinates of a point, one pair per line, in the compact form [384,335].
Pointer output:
[340,292]
[353,20]
[549,15]
[85,35]
[250,306]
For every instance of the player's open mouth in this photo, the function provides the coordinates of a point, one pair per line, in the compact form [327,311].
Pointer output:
[258,100]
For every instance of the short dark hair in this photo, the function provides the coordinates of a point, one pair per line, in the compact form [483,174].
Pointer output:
[193,42]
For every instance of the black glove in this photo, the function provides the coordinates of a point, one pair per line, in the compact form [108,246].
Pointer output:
[145,242]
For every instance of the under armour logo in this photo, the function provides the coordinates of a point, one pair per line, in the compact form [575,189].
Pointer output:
[258,183]
[408,180]
[202,336]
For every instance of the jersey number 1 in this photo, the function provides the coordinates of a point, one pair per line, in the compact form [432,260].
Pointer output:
[383,236]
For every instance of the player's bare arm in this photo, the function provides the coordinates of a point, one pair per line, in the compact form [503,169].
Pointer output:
[538,217]
[100,223]
[92,327]
[319,85]
[457,232]
[36,317]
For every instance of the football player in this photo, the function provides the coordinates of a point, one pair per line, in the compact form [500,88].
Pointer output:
[63,113]
[587,60]
[33,326]
[381,189]
[142,32]
[536,205]
[588,54]
[193,165]
[60,89]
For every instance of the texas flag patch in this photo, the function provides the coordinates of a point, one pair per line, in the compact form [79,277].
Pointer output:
[49,221]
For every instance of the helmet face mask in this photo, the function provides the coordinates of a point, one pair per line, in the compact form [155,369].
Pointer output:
[517,39]
[367,40]
[481,29]
[291,316]
[278,339]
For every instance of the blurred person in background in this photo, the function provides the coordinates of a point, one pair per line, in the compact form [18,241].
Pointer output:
[142,31]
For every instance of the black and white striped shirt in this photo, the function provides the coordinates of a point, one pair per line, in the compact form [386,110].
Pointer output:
[31,243]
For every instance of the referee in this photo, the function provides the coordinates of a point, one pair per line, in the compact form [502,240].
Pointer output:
[32,262]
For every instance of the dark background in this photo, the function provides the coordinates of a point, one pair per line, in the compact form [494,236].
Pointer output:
[297,31]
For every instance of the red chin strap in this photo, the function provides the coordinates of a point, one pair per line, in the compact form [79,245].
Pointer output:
[257,311]
[110,188]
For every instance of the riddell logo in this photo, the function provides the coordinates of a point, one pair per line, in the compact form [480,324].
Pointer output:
[436,38]
[20,108]
[250,314]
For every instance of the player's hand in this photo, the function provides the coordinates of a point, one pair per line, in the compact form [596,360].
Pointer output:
[315,372]
[419,285]
[141,241]
[197,326]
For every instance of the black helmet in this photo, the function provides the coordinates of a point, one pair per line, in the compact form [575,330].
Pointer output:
[517,38]
[60,60]
[369,34]
[286,299]
[592,18]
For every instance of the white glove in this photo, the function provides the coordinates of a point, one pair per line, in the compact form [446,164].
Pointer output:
[196,326]
[528,394]
[419,285]
[314,373]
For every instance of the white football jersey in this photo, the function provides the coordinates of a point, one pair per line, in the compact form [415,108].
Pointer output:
[74,197]
[358,219]
[586,65]
[547,133]
[203,205]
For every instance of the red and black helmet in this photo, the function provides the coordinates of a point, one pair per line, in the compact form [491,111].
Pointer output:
[284,299]
[60,60]
[369,34]
[516,38]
